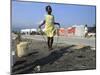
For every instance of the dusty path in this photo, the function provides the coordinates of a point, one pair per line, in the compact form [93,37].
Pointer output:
[63,57]
[66,40]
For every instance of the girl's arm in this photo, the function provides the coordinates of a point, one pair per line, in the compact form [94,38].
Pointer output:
[57,24]
[42,24]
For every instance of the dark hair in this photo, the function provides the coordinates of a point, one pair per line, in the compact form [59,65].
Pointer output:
[48,8]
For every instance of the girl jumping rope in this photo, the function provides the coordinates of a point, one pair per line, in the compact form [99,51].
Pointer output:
[49,23]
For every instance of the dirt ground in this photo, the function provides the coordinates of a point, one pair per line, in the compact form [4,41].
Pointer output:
[63,57]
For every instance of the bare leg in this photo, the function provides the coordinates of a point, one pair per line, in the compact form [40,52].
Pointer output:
[86,34]
[51,42]
[48,42]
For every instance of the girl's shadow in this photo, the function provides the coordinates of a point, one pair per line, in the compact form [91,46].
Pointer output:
[50,59]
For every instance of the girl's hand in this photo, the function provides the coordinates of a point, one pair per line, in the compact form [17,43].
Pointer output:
[59,25]
[39,26]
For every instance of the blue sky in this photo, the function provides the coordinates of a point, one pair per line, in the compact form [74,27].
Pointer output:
[29,14]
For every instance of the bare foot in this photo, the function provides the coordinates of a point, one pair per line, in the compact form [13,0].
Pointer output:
[50,49]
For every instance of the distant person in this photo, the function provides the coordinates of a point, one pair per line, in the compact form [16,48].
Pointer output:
[86,31]
[49,23]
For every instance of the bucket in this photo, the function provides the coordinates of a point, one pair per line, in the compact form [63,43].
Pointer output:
[22,49]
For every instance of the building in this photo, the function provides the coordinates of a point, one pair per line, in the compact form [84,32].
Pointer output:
[28,31]
[25,31]
[75,30]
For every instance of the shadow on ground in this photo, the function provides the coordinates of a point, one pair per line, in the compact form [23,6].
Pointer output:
[23,67]
[77,59]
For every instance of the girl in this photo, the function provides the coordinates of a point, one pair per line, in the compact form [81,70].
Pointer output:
[49,26]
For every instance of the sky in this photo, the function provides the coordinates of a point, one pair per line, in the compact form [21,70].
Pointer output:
[30,14]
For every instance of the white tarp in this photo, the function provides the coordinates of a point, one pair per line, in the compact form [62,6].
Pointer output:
[79,30]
